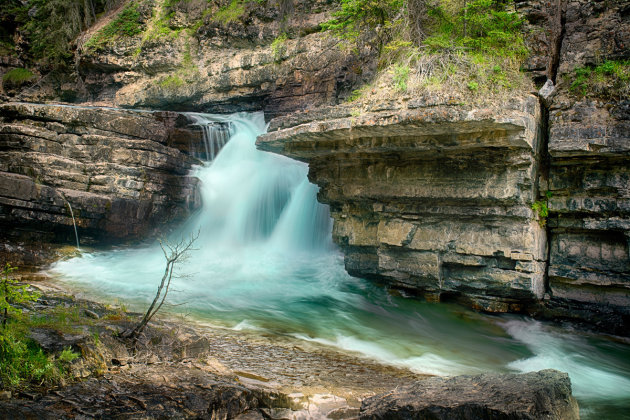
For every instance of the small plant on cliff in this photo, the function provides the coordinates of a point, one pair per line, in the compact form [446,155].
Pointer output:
[541,208]
[401,77]
[278,47]
[18,76]
[230,13]
[610,79]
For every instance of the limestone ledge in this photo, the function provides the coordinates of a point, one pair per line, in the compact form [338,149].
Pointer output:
[435,199]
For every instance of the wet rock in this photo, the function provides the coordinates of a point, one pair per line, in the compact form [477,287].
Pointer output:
[589,148]
[534,396]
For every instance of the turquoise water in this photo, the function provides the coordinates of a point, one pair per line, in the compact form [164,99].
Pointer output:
[264,262]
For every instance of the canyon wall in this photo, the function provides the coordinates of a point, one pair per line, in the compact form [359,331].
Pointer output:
[122,175]
[434,199]
[214,57]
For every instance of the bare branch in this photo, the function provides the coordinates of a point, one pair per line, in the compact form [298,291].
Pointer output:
[173,253]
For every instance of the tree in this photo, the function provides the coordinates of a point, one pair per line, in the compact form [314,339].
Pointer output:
[174,254]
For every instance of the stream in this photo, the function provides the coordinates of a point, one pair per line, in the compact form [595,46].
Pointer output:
[264,263]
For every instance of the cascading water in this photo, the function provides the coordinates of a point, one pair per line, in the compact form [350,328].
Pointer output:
[265,262]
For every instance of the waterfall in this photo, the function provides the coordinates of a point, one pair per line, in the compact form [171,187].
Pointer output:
[216,132]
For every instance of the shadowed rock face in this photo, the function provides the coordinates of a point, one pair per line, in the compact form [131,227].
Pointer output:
[536,395]
[115,169]
[436,199]
[589,173]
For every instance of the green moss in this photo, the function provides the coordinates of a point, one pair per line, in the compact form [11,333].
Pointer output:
[230,13]
[171,82]
[18,76]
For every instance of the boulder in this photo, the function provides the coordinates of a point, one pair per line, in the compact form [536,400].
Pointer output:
[544,395]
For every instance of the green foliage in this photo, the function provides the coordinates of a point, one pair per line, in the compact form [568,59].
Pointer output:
[608,79]
[401,77]
[50,27]
[356,94]
[357,16]
[22,361]
[473,86]
[127,23]
[18,76]
[278,47]
[59,318]
[481,25]
[230,13]
[171,82]
[67,356]
[541,208]
[11,294]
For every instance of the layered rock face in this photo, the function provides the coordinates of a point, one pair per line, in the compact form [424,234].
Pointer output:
[115,171]
[193,55]
[589,168]
[432,199]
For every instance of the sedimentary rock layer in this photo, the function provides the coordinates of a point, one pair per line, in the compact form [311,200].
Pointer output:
[433,199]
[114,170]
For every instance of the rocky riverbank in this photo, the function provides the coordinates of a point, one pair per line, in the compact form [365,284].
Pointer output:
[181,370]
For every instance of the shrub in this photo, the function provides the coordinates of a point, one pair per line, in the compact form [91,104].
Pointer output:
[171,82]
[18,77]
[11,294]
[278,47]
[357,16]
[610,79]
[229,13]
[401,76]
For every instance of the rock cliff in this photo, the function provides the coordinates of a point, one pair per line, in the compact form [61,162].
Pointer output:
[437,197]
[116,172]
[211,57]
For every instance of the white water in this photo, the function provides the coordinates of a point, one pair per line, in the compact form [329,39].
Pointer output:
[264,262]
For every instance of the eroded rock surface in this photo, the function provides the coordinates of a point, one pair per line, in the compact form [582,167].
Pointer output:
[114,171]
[531,396]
